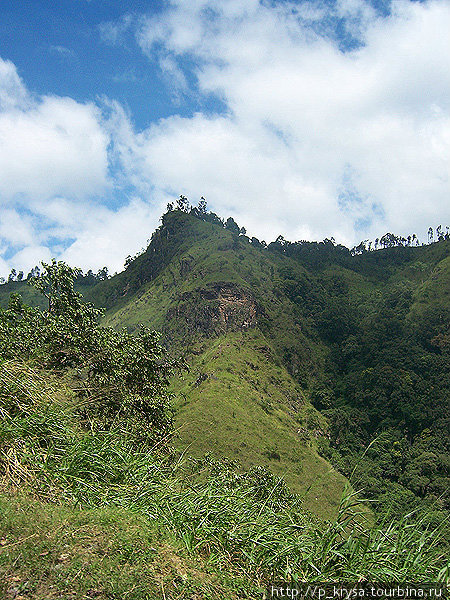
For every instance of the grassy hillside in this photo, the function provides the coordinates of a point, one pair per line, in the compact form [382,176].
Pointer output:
[30,296]
[271,332]
[324,318]
[237,402]
[89,512]
[49,551]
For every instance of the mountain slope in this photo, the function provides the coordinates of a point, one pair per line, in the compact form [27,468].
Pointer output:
[299,349]
[217,303]
[351,332]
[238,402]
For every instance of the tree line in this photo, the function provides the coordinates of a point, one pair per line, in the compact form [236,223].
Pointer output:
[88,277]
[306,248]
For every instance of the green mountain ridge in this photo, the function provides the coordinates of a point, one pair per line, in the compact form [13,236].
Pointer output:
[324,319]
[238,400]
[299,354]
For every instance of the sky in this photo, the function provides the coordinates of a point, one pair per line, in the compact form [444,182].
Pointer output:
[311,119]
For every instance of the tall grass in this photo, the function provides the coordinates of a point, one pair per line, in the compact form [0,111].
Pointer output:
[248,523]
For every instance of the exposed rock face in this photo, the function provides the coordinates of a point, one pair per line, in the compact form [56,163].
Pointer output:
[215,310]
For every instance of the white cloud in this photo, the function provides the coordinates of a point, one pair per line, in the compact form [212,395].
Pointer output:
[27,258]
[12,91]
[114,32]
[15,229]
[87,235]
[56,160]
[51,146]
[172,71]
[313,141]
[108,236]
[301,111]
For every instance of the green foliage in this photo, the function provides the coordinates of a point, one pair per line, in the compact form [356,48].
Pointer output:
[64,335]
[391,382]
[119,376]
[248,523]
[128,376]
[232,226]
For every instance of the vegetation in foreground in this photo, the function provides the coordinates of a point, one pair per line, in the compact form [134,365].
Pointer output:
[95,503]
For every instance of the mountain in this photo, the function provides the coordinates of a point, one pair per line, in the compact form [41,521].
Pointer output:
[300,355]
[306,360]
[278,338]
[212,298]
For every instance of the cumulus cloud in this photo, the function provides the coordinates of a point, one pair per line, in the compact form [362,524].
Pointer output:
[57,174]
[87,235]
[313,120]
[302,112]
[48,146]
[26,259]
[54,165]
[15,229]
[109,236]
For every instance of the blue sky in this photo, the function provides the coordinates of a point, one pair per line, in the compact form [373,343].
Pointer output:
[58,49]
[307,119]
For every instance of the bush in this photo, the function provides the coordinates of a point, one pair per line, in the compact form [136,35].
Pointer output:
[119,376]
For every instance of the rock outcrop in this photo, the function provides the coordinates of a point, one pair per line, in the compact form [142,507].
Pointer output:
[215,310]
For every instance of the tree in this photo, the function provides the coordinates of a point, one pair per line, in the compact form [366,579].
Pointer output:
[33,273]
[389,240]
[183,203]
[123,376]
[56,284]
[213,218]
[360,249]
[102,274]
[232,226]
[202,206]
